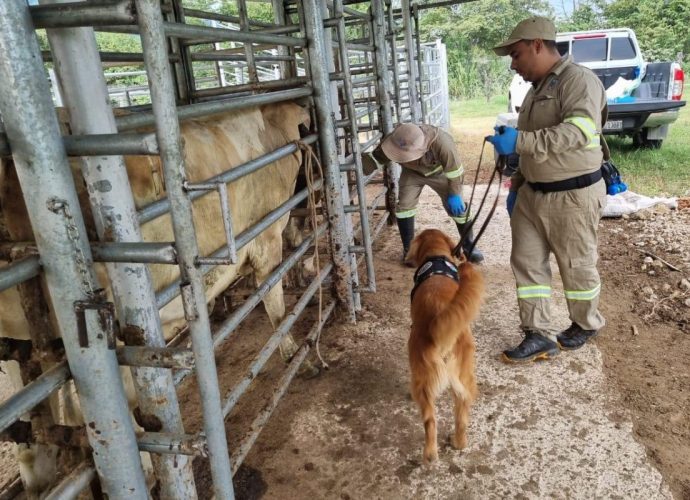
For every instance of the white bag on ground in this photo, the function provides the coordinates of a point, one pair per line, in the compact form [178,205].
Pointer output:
[629,202]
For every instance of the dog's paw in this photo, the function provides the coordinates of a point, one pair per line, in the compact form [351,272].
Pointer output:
[430,456]
[458,442]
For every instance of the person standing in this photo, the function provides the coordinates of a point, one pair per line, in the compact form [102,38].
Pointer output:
[557,196]
[428,157]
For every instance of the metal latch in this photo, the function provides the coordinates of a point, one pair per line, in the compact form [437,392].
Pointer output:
[106,319]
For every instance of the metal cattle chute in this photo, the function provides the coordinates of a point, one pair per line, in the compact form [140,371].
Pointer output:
[359,67]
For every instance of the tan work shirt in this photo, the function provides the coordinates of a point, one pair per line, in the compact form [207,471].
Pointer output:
[441,157]
[560,124]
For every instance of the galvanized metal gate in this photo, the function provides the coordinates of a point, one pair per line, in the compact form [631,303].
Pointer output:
[358,71]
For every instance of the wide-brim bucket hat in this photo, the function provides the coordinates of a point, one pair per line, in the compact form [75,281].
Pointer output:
[406,143]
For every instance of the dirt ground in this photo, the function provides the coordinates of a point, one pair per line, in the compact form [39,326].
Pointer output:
[598,422]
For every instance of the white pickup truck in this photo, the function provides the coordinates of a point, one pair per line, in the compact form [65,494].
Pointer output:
[644,115]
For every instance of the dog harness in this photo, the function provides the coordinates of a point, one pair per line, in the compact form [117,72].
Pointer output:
[433,266]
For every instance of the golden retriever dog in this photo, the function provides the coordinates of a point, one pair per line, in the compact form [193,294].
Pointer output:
[441,347]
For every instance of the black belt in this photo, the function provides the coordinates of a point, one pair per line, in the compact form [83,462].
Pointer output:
[579,182]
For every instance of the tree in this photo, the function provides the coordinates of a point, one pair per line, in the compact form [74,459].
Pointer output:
[661,26]
[469,32]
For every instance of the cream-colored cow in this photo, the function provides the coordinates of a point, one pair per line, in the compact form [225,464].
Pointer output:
[211,146]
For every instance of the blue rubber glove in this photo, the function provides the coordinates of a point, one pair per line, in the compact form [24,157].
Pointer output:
[504,140]
[510,202]
[456,205]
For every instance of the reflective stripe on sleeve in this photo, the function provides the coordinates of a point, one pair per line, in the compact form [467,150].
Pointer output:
[455,173]
[534,291]
[583,294]
[434,171]
[588,127]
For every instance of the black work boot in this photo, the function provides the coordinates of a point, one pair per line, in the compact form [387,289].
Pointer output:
[406,228]
[532,348]
[476,256]
[575,337]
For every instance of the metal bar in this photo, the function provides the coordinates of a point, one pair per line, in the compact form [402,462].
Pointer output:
[200,14]
[19,271]
[373,140]
[198,110]
[100,144]
[134,252]
[394,60]
[409,50]
[24,400]
[85,94]
[420,65]
[221,55]
[190,31]
[319,67]
[53,207]
[447,3]
[74,483]
[355,146]
[157,357]
[73,14]
[248,48]
[169,141]
[260,420]
[275,340]
[173,444]
[298,81]
[162,206]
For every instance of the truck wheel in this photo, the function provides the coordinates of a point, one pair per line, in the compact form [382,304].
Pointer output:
[640,140]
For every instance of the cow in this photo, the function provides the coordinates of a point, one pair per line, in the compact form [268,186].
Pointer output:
[211,145]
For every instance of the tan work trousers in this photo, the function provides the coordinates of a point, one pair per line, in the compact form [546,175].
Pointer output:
[411,185]
[564,223]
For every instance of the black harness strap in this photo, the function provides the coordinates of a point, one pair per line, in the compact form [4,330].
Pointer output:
[432,266]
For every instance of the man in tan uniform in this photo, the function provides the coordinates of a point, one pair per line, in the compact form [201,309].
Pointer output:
[558,194]
[428,157]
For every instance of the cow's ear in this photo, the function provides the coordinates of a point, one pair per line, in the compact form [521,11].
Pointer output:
[304,117]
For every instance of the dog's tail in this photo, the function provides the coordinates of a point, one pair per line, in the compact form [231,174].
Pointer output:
[429,377]
[464,307]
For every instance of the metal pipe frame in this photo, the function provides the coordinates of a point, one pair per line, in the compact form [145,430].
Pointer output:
[32,394]
[231,323]
[163,443]
[74,14]
[171,291]
[74,483]
[169,141]
[101,145]
[155,357]
[296,82]
[162,206]
[52,203]
[197,33]
[259,422]
[354,140]
[199,110]
[394,62]
[409,51]
[275,340]
[19,271]
[319,68]
[81,77]
[420,66]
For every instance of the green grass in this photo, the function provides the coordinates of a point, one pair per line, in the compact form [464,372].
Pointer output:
[660,172]
[664,171]
[477,108]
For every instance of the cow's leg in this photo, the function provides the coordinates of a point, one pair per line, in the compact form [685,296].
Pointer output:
[274,301]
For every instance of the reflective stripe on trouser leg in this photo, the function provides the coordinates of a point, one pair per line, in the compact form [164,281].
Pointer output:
[411,184]
[529,260]
[574,242]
